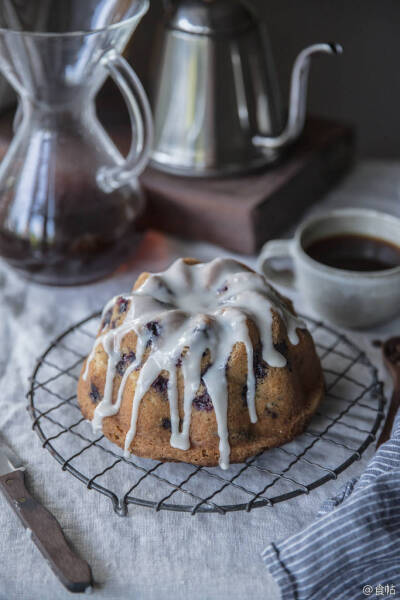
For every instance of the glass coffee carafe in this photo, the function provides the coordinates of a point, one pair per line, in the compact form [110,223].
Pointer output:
[69,201]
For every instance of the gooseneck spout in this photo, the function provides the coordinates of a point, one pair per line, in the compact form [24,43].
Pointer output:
[298,97]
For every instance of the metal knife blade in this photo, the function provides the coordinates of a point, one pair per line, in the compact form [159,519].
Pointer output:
[73,572]
[9,461]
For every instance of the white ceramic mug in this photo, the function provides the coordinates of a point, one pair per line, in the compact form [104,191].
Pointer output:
[352,299]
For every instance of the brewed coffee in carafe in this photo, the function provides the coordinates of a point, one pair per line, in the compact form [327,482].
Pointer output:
[69,201]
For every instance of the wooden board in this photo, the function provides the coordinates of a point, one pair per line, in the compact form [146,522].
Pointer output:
[241,213]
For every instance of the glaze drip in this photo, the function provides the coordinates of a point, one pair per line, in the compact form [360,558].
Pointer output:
[178,316]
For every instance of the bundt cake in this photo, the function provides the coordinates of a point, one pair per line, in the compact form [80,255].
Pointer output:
[203,363]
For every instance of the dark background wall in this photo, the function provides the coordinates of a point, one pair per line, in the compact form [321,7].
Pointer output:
[362,86]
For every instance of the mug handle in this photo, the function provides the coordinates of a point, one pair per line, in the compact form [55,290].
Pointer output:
[111,178]
[276,249]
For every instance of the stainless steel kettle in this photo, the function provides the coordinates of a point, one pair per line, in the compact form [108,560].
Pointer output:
[216,103]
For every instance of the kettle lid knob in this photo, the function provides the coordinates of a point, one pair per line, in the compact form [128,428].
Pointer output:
[209,17]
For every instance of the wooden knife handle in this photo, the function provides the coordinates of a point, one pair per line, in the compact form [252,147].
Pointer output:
[73,572]
[393,408]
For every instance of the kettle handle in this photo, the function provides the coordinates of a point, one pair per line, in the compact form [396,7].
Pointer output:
[111,178]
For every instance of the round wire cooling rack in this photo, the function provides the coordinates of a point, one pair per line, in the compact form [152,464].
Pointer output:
[338,434]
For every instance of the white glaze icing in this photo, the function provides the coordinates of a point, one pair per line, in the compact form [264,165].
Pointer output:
[179,315]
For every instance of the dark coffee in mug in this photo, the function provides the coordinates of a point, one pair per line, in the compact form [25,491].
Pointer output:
[364,246]
[354,252]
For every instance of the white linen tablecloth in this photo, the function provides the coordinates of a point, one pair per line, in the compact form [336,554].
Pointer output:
[147,555]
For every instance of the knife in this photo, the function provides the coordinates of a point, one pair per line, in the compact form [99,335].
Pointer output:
[73,572]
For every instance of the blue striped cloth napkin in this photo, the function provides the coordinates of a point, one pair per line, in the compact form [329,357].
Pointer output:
[352,551]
